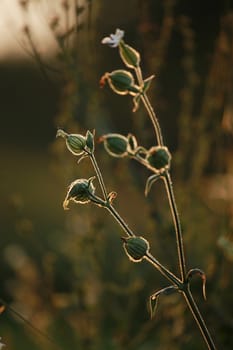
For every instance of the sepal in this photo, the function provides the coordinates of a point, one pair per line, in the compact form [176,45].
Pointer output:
[154,298]
[200,273]
[151,179]
[90,141]
[147,83]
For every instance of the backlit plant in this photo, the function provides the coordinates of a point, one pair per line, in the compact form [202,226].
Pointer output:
[157,159]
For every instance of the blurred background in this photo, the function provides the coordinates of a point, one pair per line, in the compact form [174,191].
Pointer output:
[66,273]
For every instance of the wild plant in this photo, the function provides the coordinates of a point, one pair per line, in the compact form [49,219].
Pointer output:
[157,159]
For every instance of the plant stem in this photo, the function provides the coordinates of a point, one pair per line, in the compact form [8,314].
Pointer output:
[163,270]
[166,178]
[99,176]
[119,219]
[175,215]
[149,257]
[153,118]
[198,318]
[183,286]
[149,108]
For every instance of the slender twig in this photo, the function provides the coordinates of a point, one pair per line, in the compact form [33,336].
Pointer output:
[198,318]
[149,257]
[99,176]
[184,286]
[163,270]
[149,109]
[167,178]
[153,118]
[119,219]
[175,215]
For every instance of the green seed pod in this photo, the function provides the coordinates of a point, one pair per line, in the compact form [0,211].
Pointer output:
[115,144]
[80,191]
[136,248]
[122,82]
[130,56]
[159,158]
[75,142]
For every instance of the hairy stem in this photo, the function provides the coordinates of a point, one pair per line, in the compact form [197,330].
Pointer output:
[99,176]
[184,287]
[198,318]
[119,219]
[149,257]
[175,215]
[149,109]
[163,270]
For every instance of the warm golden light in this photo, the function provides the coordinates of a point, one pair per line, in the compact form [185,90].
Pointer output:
[38,16]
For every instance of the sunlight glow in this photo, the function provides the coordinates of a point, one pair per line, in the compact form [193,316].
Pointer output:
[37,17]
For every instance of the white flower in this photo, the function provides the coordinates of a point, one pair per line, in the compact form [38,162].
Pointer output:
[1,344]
[114,39]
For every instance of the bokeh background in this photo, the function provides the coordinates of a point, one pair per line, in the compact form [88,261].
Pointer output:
[65,273]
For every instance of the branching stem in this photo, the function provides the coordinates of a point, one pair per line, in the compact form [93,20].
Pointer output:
[119,219]
[99,176]
[163,270]
[198,318]
[183,286]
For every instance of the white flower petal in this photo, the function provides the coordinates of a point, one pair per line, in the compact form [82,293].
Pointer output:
[106,40]
[113,40]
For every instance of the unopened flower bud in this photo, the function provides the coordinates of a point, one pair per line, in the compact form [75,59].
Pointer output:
[129,55]
[121,82]
[136,248]
[115,144]
[159,158]
[75,142]
[80,191]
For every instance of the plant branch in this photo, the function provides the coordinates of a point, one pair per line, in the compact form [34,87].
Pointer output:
[163,270]
[149,108]
[183,286]
[99,175]
[175,215]
[119,219]
[198,318]
[149,257]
